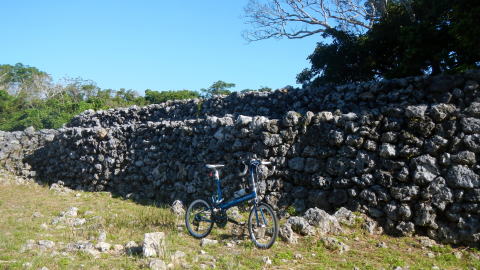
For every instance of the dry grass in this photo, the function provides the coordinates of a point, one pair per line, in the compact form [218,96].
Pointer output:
[124,220]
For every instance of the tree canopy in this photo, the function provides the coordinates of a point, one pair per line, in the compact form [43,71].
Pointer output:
[154,97]
[20,79]
[423,37]
[217,88]
[29,97]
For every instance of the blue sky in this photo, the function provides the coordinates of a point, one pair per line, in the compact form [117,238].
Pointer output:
[155,44]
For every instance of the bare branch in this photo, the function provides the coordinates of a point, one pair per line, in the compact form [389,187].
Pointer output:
[295,19]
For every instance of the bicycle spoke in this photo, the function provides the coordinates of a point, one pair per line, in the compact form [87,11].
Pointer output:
[198,219]
[264,219]
[263,226]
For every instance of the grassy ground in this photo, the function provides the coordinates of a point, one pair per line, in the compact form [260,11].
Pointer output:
[27,210]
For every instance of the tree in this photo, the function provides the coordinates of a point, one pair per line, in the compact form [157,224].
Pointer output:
[425,37]
[465,29]
[24,80]
[217,88]
[343,60]
[28,97]
[156,97]
[127,97]
[78,88]
[414,41]
[296,19]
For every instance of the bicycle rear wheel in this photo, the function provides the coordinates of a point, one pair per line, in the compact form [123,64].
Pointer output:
[199,218]
[263,226]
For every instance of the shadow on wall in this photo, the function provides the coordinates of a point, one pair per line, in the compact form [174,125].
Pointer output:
[159,162]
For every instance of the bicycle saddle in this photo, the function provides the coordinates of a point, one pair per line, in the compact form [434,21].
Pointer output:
[214,166]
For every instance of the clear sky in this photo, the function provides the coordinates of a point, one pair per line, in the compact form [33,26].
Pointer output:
[147,44]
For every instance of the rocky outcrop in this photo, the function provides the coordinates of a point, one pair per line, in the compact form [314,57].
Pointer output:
[402,151]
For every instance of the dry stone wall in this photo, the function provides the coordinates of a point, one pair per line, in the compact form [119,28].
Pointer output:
[404,151]
[369,97]
[15,146]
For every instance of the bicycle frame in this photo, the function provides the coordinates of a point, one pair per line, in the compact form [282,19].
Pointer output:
[217,202]
[262,222]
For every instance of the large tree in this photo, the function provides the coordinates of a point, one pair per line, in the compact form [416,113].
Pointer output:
[24,80]
[425,37]
[296,19]
[217,88]
[345,59]
[155,97]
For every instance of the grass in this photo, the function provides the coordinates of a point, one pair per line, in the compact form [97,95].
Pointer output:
[124,221]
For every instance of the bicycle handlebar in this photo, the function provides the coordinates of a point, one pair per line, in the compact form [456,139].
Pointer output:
[254,162]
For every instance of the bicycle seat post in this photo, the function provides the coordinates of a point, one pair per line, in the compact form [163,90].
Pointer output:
[216,176]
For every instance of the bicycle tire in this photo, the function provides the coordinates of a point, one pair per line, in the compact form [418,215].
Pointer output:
[253,229]
[194,219]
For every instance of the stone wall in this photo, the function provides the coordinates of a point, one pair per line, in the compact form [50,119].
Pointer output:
[358,98]
[15,146]
[406,157]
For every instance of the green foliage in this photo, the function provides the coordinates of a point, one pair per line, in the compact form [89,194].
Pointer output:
[261,89]
[291,210]
[18,74]
[217,88]
[412,40]
[417,37]
[343,60]
[45,105]
[465,32]
[155,97]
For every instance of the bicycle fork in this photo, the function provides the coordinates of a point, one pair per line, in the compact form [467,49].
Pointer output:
[255,203]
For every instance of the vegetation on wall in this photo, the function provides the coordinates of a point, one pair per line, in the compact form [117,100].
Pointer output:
[29,97]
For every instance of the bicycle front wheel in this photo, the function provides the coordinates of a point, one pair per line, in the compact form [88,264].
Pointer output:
[263,225]
[199,218]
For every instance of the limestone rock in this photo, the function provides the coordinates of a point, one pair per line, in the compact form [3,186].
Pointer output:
[334,244]
[462,177]
[300,225]
[208,242]
[321,220]
[345,216]
[178,208]
[415,111]
[103,246]
[157,264]
[286,233]
[154,244]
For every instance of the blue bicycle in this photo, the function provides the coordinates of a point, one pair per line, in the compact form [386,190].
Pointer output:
[262,221]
